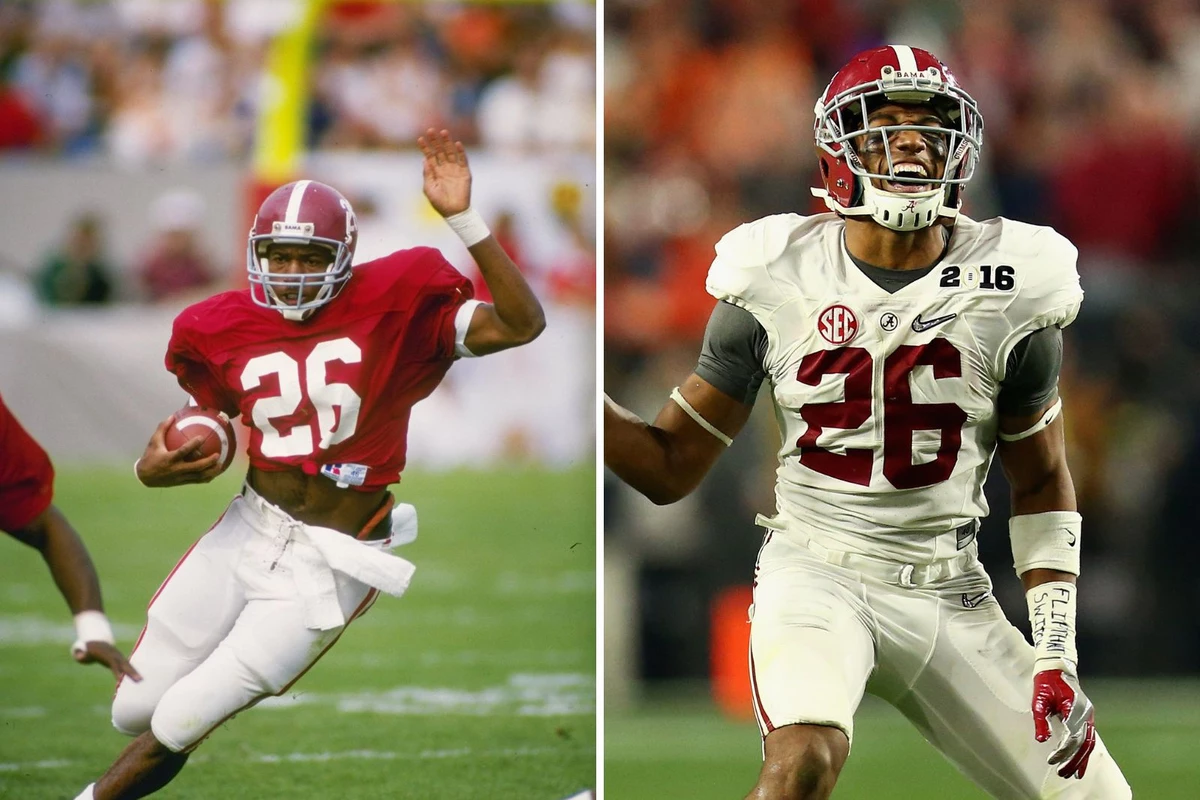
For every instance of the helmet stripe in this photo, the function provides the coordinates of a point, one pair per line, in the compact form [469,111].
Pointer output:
[293,209]
[904,54]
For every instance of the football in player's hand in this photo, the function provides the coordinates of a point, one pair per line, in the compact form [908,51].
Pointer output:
[213,426]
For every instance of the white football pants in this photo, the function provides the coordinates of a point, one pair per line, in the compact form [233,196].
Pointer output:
[226,629]
[930,640]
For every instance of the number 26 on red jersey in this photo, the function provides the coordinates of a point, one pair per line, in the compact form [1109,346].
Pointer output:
[324,396]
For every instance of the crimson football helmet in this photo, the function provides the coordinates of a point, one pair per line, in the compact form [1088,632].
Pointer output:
[301,213]
[908,76]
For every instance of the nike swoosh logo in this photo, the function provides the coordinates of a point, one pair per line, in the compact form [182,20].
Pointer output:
[919,325]
[971,601]
[1073,540]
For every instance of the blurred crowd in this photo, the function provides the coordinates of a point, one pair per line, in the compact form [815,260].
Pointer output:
[174,265]
[148,82]
[148,85]
[1092,125]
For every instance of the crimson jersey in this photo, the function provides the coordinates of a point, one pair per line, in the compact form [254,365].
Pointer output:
[26,475]
[333,393]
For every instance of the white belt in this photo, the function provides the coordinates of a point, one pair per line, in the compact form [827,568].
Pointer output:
[318,552]
[886,570]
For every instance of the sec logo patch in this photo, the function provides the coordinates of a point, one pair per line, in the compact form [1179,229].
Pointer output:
[837,324]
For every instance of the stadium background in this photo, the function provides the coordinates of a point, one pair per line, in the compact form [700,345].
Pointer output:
[1092,120]
[136,139]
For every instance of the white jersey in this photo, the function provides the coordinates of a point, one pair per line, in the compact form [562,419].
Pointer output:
[886,402]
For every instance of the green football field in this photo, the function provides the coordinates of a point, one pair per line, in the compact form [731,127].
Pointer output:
[680,747]
[479,682]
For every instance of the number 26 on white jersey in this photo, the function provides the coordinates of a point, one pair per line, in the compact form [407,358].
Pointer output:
[324,397]
[902,417]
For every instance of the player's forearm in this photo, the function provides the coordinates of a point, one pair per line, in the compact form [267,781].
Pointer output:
[516,305]
[641,455]
[1050,489]
[68,560]
[1036,577]
[1050,494]
[1045,530]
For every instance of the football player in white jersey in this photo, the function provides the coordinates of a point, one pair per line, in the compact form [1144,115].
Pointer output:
[904,344]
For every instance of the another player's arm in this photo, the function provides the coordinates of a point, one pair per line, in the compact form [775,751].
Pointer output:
[1045,530]
[665,460]
[51,534]
[515,317]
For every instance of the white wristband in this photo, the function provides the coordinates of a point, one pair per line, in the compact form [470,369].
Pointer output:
[91,626]
[1052,618]
[469,226]
[1048,540]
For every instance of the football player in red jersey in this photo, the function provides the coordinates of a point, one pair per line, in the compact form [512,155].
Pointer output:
[324,364]
[28,513]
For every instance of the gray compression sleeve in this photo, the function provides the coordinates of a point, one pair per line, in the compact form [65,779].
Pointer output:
[1031,374]
[731,357]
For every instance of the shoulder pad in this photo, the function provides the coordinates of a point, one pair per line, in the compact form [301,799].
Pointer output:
[399,279]
[741,271]
[1054,276]
[214,313]
[1049,292]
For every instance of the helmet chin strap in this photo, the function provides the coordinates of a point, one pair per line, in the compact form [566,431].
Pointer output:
[903,212]
[895,211]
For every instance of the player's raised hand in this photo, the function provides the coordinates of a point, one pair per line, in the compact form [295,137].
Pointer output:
[159,466]
[447,175]
[1056,693]
[108,655]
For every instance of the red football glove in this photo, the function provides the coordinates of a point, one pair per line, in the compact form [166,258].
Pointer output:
[1057,692]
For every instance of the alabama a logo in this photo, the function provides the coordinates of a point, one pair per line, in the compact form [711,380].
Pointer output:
[837,324]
